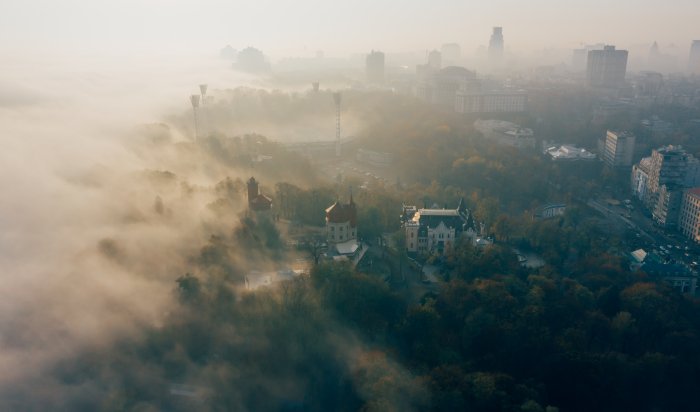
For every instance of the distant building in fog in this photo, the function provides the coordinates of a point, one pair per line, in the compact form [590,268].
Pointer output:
[578,60]
[435,60]
[441,87]
[451,53]
[491,102]
[374,65]
[506,133]
[257,202]
[694,57]
[496,44]
[607,67]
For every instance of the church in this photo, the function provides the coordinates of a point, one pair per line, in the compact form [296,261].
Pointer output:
[257,202]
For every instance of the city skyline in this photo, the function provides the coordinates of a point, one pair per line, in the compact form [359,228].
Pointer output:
[107,28]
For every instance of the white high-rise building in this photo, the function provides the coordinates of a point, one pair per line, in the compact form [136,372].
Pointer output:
[618,149]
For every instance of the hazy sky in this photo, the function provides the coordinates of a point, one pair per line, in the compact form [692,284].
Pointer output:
[302,27]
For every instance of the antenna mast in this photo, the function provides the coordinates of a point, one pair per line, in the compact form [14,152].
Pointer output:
[194,99]
[336,98]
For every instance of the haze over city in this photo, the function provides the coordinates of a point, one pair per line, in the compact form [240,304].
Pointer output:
[375,206]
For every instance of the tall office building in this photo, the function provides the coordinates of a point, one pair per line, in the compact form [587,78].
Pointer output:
[496,43]
[374,65]
[607,67]
[694,57]
[618,149]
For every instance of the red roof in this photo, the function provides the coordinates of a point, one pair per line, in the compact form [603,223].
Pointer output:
[260,202]
[694,191]
[341,213]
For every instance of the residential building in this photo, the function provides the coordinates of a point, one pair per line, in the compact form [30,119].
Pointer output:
[434,230]
[659,181]
[374,66]
[668,206]
[257,202]
[618,149]
[607,67]
[491,101]
[341,222]
[689,220]
[640,178]
[673,166]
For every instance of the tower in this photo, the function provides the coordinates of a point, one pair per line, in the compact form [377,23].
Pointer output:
[194,99]
[496,43]
[336,99]
[694,58]
[203,92]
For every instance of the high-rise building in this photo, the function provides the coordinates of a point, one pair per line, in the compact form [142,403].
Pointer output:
[374,66]
[618,149]
[668,205]
[496,43]
[694,57]
[689,219]
[607,67]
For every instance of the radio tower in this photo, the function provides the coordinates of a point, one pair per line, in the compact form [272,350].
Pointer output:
[203,92]
[336,98]
[194,99]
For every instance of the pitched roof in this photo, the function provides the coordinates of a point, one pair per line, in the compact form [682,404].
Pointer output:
[340,213]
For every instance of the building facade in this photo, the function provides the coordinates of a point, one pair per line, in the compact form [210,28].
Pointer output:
[496,44]
[257,202]
[619,148]
[434,230]
[689,220]
[606,68]
[374,66]
[341,222]
[490,102]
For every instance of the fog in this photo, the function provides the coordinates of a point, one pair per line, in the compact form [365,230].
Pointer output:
[107,200]
[85,253]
